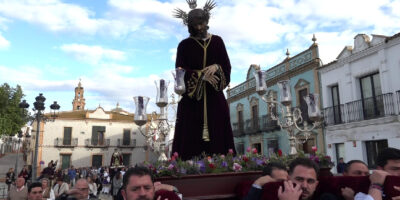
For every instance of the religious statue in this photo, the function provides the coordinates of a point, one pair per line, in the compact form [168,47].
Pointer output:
[203,121]
[116,159]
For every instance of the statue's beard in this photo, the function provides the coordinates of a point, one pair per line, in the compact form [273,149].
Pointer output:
[202,33]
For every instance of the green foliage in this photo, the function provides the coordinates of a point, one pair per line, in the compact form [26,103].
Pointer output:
[11,116]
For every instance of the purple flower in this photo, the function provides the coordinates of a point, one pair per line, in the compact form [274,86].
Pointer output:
[224,164]
[201,166]
[259,162]
[171,166]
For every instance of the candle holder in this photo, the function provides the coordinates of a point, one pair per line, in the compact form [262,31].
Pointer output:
[289,119]
[160,126]
[179,83]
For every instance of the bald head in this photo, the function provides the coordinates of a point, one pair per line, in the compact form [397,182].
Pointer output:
[20,182]
[81,189]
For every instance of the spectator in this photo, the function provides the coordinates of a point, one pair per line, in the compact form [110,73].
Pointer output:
[48,192]
[106,182]
[92,187]
[340,166]
[272,172]
[117,184]
[304,173]
[10,178]
[61,187]
[19,191]
[35,191]
[72,175]
[24,173]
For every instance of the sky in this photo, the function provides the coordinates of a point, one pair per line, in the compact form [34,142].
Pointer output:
[118,48]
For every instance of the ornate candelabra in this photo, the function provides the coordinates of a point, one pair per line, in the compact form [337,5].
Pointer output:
[160,126]
[288,118]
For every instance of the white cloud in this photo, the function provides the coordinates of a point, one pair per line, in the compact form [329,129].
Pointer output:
[92,54]
[4,43]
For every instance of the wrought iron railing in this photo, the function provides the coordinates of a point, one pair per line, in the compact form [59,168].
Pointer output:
[252,126]
[238,129]
[126,143]
[62,142]
[363,109]
[97,143]
[268,124]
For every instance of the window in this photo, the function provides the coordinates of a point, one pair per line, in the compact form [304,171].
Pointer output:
[126,137]
[254,123]
[65,161]
[97,160]
[98,135]
[371,95]
[78,107]
[258,147]
[126,159]
[240,121]
[239,148]
[273,147]
[336,104]
[339,152]
[303,104]
[67,136]
[373,149]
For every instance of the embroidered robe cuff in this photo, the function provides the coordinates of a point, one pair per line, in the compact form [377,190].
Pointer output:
[195,85]
[222,80]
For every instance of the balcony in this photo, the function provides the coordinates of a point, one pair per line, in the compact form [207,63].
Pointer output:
[60,142]
[238,129]
[364,109]
[252,126]
[126,143]
[267,124]
[105,143]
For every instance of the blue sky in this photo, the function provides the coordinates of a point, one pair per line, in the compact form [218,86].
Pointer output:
[119,47]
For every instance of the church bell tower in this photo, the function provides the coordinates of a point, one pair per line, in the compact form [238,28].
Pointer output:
[79,101]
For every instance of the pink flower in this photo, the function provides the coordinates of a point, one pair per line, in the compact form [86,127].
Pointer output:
[255,151]
[248,149]
[237,167]
[222,156]
[176,154]
[314,148]
[230,151]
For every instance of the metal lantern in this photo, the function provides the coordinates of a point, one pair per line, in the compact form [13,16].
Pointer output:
[179,86]
[140,117]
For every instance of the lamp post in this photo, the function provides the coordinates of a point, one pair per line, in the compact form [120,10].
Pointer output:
[39,116]
[290,119]
[18,146]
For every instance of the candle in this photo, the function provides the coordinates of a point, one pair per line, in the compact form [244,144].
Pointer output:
[140,106]
[162,88]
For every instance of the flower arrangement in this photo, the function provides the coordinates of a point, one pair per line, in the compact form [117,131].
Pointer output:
[324,161]
[251,160]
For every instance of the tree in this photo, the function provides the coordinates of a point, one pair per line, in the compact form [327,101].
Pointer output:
[12,118]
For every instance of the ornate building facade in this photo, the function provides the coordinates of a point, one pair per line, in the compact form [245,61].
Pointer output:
[361,101]
[251,121]
[85,138]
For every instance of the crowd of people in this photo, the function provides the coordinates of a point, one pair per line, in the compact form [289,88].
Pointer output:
[299,180]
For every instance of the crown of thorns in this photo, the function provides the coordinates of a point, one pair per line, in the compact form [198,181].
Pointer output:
[179,13]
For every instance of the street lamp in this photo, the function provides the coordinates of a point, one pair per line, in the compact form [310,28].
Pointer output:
[290,118]
[39,116]
[18,146]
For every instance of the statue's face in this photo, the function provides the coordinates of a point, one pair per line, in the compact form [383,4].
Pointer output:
[197,23]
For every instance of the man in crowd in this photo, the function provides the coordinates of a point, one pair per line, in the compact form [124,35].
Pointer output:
[388,163]
[138,184]
[340,166]
[35,191]
[272,172]
[353,168]
[303,172]
[19,192]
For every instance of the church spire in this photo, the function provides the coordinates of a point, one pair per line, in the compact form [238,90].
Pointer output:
[79,101]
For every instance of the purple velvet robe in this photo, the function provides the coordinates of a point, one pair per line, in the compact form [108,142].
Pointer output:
[188,141]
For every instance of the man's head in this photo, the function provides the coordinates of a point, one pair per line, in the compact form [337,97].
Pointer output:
[35,191]
[304,172]
[356,168]
[276,170]
[20,182]
[198,23]
[82,189]
[389,161]
[138,184]
[45,182]
[341,160]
